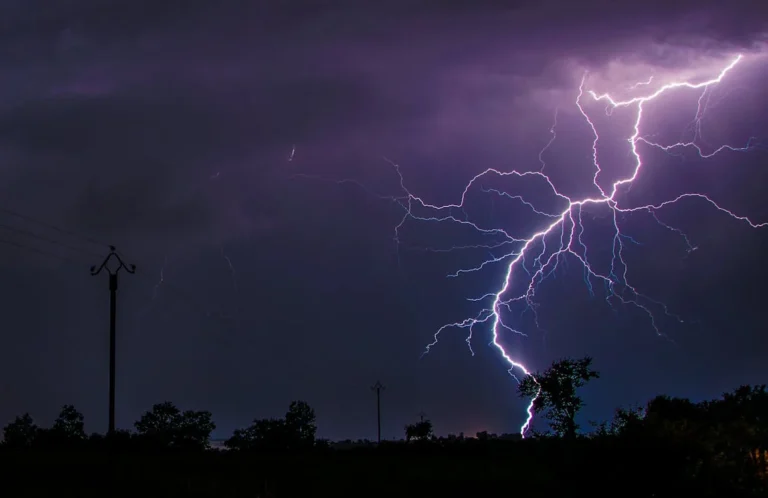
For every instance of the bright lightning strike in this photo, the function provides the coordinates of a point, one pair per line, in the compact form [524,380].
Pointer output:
[537,255]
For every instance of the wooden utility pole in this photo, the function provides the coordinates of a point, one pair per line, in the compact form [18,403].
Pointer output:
[113,271]
[378,387]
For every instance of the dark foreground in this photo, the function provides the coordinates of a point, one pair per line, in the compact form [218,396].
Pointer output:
[543,467]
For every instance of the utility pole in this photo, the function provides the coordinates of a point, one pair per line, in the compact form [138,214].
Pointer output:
[422,415]
[378,387]
[113,271]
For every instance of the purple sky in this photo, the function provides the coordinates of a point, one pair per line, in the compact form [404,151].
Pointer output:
[165,128]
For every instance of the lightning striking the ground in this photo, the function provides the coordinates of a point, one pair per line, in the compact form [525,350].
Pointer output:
[529,260]
[532,258]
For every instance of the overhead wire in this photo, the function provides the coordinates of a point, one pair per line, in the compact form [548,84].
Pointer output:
[51,226]
[41,252]
[49,240]
[180,294]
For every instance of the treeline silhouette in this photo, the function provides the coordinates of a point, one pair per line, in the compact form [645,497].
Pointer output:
[668,447]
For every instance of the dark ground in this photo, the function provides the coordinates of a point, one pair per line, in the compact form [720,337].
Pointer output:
[544,467]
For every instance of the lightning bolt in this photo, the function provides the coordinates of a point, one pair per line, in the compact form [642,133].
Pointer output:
[532,258]
[537,256]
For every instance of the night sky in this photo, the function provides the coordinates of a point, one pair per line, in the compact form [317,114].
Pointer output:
[208,141]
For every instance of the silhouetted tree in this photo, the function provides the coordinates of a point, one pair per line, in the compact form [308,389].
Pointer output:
[296,431]
[555,391]
[626,421]
[300,424]
[69,425]
[672,409]
[741,419]
[195,429]
[21,433]
[160,423]
[420,431]
[166,426]
[262,434]
[714,443]
[674,419]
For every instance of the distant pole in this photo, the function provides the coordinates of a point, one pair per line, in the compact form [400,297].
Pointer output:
[422,415]
[113,271]
[378,387]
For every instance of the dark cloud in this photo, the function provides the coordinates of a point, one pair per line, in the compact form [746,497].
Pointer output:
[159,97]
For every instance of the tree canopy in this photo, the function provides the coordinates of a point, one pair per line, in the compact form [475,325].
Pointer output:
[420,431]
[555,392]
[297,430]
[21,433]
[167,426]
[70,424]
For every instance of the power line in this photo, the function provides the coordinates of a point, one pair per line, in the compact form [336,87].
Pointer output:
[45,239]
[56,228]
[192,303]
[40,252]
[181,295]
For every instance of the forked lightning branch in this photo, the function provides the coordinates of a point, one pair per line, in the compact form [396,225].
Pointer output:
[529,260]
